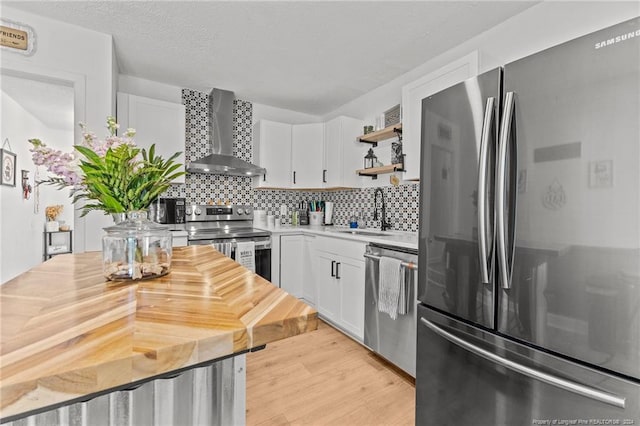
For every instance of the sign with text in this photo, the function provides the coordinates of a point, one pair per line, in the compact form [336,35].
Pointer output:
[16,37]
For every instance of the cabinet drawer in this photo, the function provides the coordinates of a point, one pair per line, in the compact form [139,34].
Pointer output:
[339,246]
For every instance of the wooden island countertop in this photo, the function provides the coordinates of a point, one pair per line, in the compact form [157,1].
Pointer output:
[67,333]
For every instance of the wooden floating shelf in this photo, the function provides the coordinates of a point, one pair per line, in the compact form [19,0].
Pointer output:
[380,135]
[375,171]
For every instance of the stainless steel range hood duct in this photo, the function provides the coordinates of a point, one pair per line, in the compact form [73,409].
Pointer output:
[222,161]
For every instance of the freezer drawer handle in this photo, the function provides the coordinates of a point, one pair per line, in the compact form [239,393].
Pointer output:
[569,385]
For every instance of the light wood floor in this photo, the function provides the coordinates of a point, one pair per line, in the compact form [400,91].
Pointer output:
[325,378]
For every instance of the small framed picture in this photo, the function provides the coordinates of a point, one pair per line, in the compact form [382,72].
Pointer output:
[8,175]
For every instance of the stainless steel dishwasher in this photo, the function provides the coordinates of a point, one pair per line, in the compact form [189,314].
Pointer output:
[394,340]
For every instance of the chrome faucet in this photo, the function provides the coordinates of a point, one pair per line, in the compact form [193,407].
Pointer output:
[384,225]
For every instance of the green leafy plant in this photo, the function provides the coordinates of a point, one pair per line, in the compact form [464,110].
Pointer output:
[114,176]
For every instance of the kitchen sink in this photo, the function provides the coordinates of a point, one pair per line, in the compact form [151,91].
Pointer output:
[361,232]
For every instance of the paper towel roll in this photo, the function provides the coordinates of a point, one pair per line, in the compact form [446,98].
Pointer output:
[328,213]
[260,218]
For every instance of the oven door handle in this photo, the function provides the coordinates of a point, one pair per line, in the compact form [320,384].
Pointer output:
[259,245]
[263,245]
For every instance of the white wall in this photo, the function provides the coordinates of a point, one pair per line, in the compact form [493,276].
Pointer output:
[149,89]
[22,221]
[537,28]
[166,92]
[266,112]
[84,58]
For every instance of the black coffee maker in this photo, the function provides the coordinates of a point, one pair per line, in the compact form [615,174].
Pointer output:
[170,211]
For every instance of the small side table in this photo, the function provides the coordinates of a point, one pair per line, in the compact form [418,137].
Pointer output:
[51,250]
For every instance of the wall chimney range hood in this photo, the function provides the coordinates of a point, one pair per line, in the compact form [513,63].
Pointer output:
[222,161]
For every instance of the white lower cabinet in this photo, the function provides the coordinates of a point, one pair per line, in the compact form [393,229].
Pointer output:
[340,282]
[350,277]
[292,271]
[327,273]
[309,287]
[328,291]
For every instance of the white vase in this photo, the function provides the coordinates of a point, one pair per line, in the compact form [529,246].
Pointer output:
[52,226]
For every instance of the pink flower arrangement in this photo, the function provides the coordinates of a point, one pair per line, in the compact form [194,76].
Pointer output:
[112,175]
[65,166]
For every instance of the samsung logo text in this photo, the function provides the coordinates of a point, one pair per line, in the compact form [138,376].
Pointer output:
[617,39]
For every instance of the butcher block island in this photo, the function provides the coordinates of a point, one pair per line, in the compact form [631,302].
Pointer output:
[71,339]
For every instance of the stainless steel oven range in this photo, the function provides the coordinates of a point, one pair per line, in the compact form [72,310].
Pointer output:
[224,227]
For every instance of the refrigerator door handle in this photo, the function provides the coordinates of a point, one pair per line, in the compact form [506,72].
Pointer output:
[487,125]
[501,183]
[569,385]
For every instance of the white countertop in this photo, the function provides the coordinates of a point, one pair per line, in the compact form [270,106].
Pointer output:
[370,235]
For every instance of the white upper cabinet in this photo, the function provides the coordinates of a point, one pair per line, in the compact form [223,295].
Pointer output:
[272,150]
[308,156]
[341,152]
[412,95]
[307,151]
[156,122]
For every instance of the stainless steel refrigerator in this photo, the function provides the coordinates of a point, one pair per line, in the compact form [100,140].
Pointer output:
[530,233]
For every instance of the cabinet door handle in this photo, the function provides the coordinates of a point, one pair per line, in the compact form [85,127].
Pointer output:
[294,178]
[333,265]
[324,176]
[264,177]
[338,270]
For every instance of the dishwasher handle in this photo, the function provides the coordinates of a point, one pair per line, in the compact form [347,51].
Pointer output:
[408,265]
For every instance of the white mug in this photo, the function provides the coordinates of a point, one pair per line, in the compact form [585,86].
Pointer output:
[315,218]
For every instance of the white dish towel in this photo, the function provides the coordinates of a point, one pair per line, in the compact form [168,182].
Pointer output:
[246,255]
[390,285]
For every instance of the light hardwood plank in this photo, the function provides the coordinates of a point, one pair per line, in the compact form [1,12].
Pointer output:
[325,378]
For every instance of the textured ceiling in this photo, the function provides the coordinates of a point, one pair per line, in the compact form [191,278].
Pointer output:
[307,56]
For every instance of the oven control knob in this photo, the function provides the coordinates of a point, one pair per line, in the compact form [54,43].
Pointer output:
[240,211]
[247,211]
[188,211]
[198,211]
